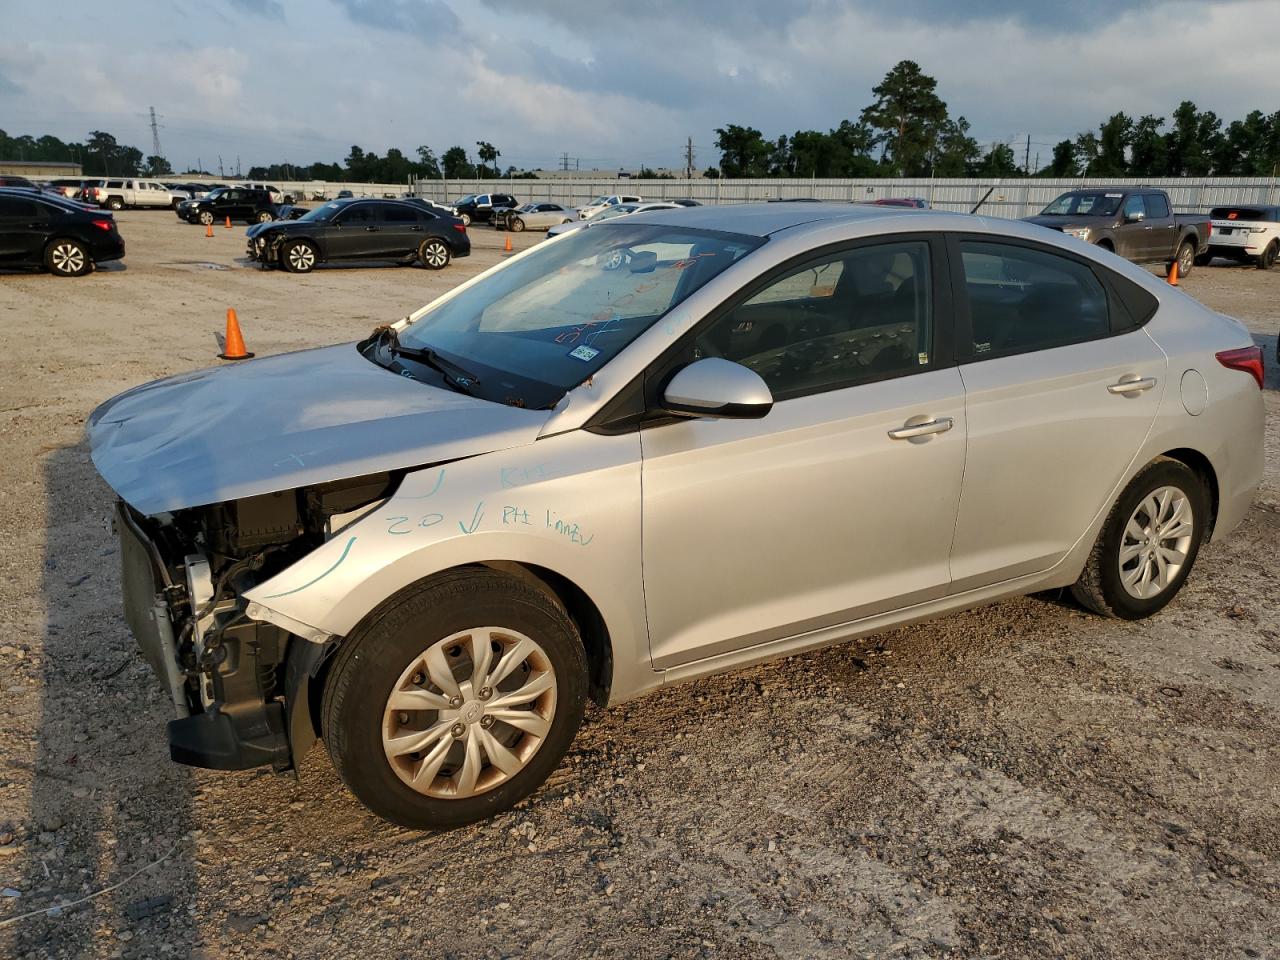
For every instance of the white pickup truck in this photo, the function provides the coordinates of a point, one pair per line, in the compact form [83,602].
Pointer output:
[118,194]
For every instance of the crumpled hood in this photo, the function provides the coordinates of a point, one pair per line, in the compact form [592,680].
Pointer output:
[283,422]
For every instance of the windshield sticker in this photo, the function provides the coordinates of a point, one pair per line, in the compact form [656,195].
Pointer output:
[584,352]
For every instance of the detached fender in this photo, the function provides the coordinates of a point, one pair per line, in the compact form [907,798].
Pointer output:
[569,504]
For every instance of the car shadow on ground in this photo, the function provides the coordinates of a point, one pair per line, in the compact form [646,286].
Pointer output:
[101,726]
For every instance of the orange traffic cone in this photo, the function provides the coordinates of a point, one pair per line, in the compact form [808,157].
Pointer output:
[208,229]
[228,222]
[234,349]
[507,248]
[1173,274]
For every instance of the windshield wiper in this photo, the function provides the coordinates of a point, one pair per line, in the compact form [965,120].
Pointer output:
[456,376]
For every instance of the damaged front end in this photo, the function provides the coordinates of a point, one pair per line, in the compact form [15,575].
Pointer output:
[240,687]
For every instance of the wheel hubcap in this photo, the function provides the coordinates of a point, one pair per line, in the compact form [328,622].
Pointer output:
[469,713]
[435,255]
[302,257]
[68,258]
[1153,549]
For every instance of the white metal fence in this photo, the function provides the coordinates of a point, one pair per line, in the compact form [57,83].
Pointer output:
[1009,198]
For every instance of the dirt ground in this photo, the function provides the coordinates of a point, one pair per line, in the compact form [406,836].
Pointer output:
[1023,780]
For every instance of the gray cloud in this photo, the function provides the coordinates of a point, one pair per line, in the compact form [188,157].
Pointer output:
[271,9]
[428,20]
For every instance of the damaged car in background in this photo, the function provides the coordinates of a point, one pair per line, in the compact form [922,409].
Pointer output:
[627,458]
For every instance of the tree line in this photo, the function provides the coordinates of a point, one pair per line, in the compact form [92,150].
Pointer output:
[907,131]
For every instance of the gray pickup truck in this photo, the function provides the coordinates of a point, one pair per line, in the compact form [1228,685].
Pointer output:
[1138,224]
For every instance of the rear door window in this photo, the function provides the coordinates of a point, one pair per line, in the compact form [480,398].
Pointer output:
[1156,206]
[397,214]
[1023,299]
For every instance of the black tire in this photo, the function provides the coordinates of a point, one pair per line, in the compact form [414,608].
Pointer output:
[66,257]
[115,203]
[434,253]
[376,655]
[173,204]
[1204,259]
[205,217]
[1185,258]
[264,216]
[465,218]
[300,256]
[517,225]
[1100,587]
[1267,259]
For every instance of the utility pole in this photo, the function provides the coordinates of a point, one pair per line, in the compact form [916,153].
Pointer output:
[688,158]
[237,166]
[221,174]
[564,161]
[1026,157]
[155,135]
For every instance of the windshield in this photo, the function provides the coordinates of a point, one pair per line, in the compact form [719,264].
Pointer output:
[219,191]
[322,213]
[461,200]
[617,210]
[1084,205]
[549,321]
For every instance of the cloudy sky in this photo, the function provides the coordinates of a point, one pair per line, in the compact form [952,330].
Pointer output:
[613,82]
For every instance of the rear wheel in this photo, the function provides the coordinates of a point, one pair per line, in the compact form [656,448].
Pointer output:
[465,218]
[434,254]
[1204,259]
[517,225]
[1185,258]
[264,216]
[299,257]
[67,258]
[115,203]
[457,701]
[1148,544]
[1267,259]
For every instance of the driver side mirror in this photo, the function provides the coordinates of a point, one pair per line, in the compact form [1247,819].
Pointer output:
[718,388]
[1136,216]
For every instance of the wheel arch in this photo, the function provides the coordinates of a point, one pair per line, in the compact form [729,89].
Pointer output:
[575,601]
[1202,467]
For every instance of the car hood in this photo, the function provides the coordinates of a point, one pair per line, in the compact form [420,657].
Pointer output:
[1069,222]
[284,422]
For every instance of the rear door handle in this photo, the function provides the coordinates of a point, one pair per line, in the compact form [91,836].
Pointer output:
[371,229]
[940,425]
[1132,384]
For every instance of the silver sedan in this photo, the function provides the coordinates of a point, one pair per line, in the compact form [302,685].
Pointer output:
[539,216]
[664,447]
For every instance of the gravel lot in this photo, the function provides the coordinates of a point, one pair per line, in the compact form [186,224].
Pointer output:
[1023,780]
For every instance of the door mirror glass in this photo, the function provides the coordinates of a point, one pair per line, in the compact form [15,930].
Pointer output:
[718,388]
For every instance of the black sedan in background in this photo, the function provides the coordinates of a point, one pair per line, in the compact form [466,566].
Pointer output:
[39,229]
[359,229]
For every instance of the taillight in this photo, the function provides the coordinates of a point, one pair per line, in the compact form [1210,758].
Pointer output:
[103,225]
[460,227]
[1245,359]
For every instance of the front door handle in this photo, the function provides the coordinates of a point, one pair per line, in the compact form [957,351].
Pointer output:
[371,229]
[1132,384]
[940,425]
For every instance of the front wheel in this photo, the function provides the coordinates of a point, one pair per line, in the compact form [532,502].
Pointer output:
[1148,544]
[434,254]
[457,701]
[517,225]
[299,257]
[1267,259]
[67,258]
[264,216]
[466,219]
[115,203]
[206,217]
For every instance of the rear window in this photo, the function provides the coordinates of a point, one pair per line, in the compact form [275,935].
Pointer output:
[1242,213]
